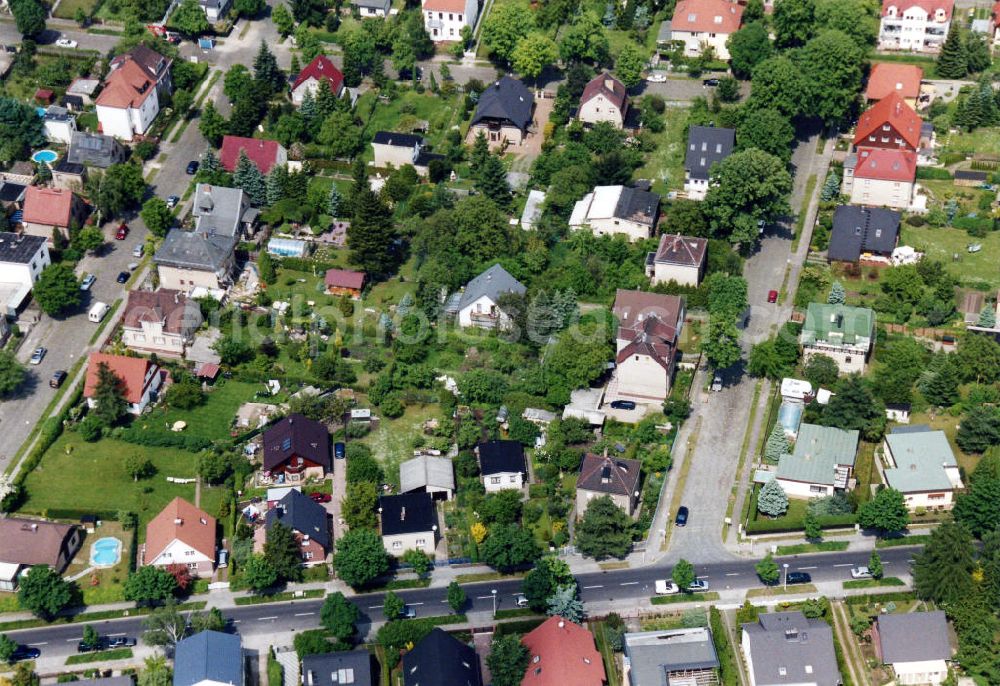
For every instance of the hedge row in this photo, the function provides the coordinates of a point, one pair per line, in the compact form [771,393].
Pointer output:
[162,439]
[728,667]
[521,627]
[933,173]
[783,525]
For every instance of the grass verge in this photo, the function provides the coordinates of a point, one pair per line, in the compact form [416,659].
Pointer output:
[279,597]
[608,566]
[800,220]
[917,539]
[520,612]
[486,576]
[821,547]
[675,502]
[772,591]
[103,656]
[873,583]
[683,598]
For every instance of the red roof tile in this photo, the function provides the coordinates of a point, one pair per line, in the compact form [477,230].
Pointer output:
[261,152]
[444,5]
[344,278]
[180,521]
[562,653]
[929,6]
[321,68]
[887,77]
[886,165]
[607,85]
[707,16]
[131,370]
[894,111]
[50,206]
[127,86]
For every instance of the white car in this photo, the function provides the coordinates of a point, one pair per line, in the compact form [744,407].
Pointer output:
[656,77]
[38,355]
[861,573]
[664,587]
[66,43]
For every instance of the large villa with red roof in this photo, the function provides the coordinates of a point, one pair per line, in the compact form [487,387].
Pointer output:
[889,77]
[181,534]
[444,19]
[263,153]
[308,80]
[129,102]
[697,23]
[46,209]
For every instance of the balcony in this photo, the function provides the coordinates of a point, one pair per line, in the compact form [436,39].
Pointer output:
[435,24]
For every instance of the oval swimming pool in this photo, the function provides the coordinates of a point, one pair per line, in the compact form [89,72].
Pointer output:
[105,552]
[47,156]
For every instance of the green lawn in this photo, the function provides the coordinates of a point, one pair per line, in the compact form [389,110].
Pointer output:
[392,442]
[665,165]
[213,419]
[944,243]
[984,141]
[67,8]
[403,112]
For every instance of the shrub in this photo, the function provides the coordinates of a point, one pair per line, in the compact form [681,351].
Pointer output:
[935,173]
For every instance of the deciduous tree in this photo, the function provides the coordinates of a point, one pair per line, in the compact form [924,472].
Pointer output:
[157,216]
[886,512]
[259,573]
[360,557]
[683,574]
[748,187]
[504,28]
[630,64]
[149,585]
[164,626]
[29,17]
[7,648]
[43,592]
[57,290]
[748,47]
[190,19]
[533,54]
[456,597]
[794,22]
[12,374]
[767,570]
[508,547]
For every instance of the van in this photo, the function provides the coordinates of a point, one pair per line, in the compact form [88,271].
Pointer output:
[97,312]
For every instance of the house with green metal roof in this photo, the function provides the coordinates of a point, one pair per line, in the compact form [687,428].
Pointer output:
[821,463]
[843,333]
[921,465]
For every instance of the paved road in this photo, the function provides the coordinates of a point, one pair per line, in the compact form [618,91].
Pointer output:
[627,587]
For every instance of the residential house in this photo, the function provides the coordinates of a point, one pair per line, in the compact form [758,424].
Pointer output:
[445,19]
[611,210]
[501,465]
[865,234]
[615,477]
[319,70]
[706,147]
[705,23]
[394,150]
[181,534]
[678,258]
[914,25]
[479,303]
[140,379]
[28,542]
[839,331]
[344,282]
[84,89]
[373,8]
[914,644]
[153,64]
[68,176]
[215,10]
[263,153]
[308,521]
[890,124]
[161,322]
[604,98]
[505,108]
[649,325]
[22,260]
[129,102]
[881,177]
[22,172]
[428,474]
[562,652]
[539,417]
[12,194]
[821,463]
[47,209]
[296,448]
[440,659]
[785,648]
[343,668]
[59,125]
[209,658]
[532,209]
[898,412]
[920,464]
[408,522]
[681,656]
[96,150]
[887,78]
[222,211]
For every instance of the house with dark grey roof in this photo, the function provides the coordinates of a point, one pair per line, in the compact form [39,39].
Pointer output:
[59,124]
[612,210]
[501,465]
[867,234]
[440,659]
[308,521]
[210,658]
[920,464]
[68,175]
[372,8]
[915,644]
[215,10]
[604,475]
[23,257]
[504,112]
[344,668]
[678,258]
[96,150]
[706,146]
[428,474]
[786,648]
[659,658]
[479,303]
[408,521]
[296,448]
[12,193]
[222,211]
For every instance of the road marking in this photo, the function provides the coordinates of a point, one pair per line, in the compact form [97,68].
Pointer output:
[589,587]
[414,603]
[237,621]
[70,640]
[845,564]
[629,583]
[483,597]
[304,614]
[374,607]
[121,634]
[44,643]
[813,567]
[264,619]
[732,573]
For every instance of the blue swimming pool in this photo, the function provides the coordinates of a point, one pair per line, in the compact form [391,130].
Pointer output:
[105,552]
[790,416]
[47,156]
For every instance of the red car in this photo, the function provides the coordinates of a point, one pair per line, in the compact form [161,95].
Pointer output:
[122,232]
[321,497]
[772,296]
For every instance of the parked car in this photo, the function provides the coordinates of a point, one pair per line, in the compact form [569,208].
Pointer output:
[321,497]
[656,77]
[666,587]
[87,282]
[339,450]
[698,586]
[521,600]
[861,573]
[122,233]
[622,405]
[84,647]
[57,379]
[172,201]
[682,516]
[66,43]
[710,83]
[717,382]
[772,296]
[123,277]
[138,250]
[121,642]
[38,355]
[23,652]
[408,612]
[798,578]
[192,168]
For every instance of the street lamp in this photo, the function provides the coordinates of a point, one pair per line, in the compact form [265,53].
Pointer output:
[785,565]
[494,592]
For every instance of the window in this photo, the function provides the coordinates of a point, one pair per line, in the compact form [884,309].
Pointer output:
[817,489]
[495,480]
[711,35]
[421,542]
[513,479]
[188,553]
[32,265]
[307,556]
[396,545]
[847,360]
[460,17]
[935,496]
[192,565]
[451,17]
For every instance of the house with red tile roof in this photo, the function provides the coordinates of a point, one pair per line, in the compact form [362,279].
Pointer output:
[561,653]
[319,70]
[891,77]
[140,379]
[156,66]
[46,209]
[890,123]
[263,153]
[344,282]
[129,102]
[880,177]
[181,534]
[914,25]
[678,258]
[697,23]
[444,19]
[649,325]
[604,99]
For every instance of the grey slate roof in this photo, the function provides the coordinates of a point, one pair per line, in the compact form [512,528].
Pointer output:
[19,248]
[439,659]
[914,637]
[383,5]
[506,100]
[492,283]
[707,145]
[638,206]
[195,250]
[210,655]
[219,209]
[407,513]
[653,655]
[401,140]
[346,668]
[299,513]
[95,150]
[862,229]
[788,648]
[426,471]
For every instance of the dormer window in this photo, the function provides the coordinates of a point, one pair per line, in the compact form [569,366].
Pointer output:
[718,19]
